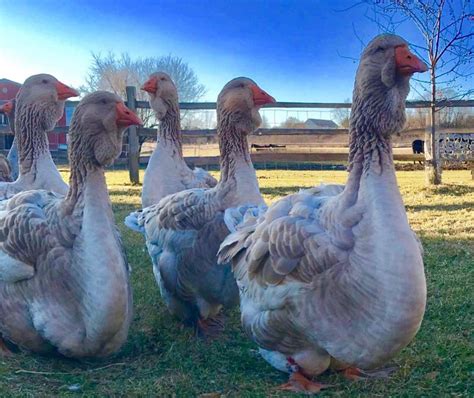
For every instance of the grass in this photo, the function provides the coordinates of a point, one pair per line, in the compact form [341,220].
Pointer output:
[162,359]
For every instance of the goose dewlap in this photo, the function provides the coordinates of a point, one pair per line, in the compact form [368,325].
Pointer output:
[65,92]
[407,62]
[261,97]
[125,117]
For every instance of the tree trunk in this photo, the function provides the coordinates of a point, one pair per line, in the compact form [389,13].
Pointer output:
[432,158]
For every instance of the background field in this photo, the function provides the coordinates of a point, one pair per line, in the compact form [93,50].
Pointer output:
[162,359]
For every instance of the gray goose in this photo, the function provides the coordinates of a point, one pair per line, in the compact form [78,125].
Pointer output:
[183,231]
[332,279]
[167,172]
[64,279]
[38,106]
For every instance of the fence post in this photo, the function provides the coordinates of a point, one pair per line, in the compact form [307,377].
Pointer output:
[133,145]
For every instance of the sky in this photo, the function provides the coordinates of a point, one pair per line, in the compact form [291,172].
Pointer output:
[298,50]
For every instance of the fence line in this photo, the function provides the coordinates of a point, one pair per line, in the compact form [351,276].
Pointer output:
[322,105]
[134,133]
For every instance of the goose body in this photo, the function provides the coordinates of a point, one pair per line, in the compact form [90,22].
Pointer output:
[183,231]
[38,106]
[64,283]
[333,276]
[167,172]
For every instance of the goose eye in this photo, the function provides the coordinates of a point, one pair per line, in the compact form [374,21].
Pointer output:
[163,79]
[242,85]
[103,101]
[380,50]
[44,81]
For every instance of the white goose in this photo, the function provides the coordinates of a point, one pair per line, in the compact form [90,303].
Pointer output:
[183,231]
[167,172]
[336,279]
[64,284]
[38,106]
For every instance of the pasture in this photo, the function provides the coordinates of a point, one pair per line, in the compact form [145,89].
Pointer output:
[161,358]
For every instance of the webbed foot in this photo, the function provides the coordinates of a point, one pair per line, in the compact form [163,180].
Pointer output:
[356,374]
[298,382]
[210,328]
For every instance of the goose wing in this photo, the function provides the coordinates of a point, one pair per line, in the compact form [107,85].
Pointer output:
[24,234]
[279,255]
[183,232]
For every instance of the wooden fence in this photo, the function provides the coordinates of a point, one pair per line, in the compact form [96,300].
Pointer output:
[134,133]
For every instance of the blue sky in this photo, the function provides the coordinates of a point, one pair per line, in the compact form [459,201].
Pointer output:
[293,49]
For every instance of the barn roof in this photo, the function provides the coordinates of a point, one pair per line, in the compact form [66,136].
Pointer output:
[8,81]
[322,122]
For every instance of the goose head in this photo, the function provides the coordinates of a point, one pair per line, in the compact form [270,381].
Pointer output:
[240,101]
[383,81]
[162,93]
[97,127]
[47,94]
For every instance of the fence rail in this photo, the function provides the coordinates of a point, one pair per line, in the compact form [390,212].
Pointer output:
[135,133]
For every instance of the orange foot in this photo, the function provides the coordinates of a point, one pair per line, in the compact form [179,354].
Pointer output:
[210,328]
[299,383]
[4,351]
[356,374]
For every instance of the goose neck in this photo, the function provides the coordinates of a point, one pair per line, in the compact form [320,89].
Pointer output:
[169,130]
[234,150]
[31,132]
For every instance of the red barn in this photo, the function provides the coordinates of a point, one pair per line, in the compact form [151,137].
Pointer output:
[8,91]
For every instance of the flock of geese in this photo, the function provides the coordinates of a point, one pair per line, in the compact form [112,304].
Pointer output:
[328,278]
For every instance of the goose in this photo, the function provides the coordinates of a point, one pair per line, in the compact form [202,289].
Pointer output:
[64,283]
[167,172]
[5,169]
[8,108]
[183,231]
[38,106]
[331,278]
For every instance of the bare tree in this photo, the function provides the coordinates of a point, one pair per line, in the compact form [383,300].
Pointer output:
[113,73]
[342,115]
[446,27]
[293,123]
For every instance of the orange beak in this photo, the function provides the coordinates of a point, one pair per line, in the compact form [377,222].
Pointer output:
[125,117]
[7,107]
[261,97]
[65,92]
[407,62]
[151,85]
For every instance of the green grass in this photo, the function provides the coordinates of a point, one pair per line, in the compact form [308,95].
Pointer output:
[162,359]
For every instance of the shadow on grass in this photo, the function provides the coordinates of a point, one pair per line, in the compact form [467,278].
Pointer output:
[281,191]
[441,207]
[451,190]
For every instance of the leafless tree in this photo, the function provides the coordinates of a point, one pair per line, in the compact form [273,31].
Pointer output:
[342,115]
[113,73]
[292,123]
[446,27]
